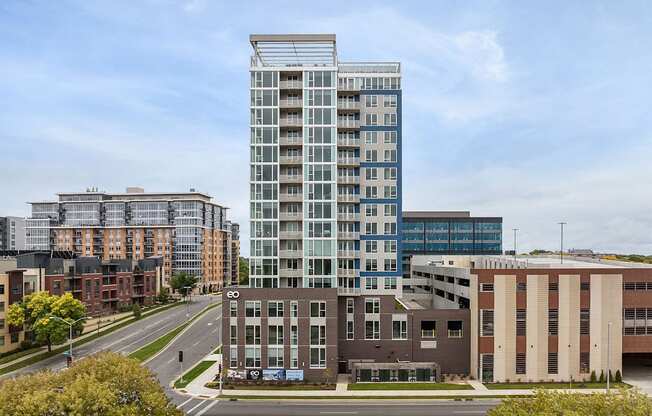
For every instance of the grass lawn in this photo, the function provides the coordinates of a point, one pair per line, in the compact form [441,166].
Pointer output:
[13,356]
[409,386]
[575,385]
[218,350]
[193,374]
[61,349]
[161,342]
[370,397]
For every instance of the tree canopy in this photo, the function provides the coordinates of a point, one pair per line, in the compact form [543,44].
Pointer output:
[180,282]
[35,312]
[103,384]
[629,402]
[243,264]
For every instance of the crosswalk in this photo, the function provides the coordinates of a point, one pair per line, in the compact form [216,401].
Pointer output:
[195,406]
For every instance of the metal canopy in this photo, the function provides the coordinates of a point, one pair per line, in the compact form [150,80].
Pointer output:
[293,50]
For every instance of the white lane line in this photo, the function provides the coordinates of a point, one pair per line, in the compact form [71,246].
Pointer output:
[200,403]
[196,343]
[469,412]
[184,403]
[205,409]
[338,413]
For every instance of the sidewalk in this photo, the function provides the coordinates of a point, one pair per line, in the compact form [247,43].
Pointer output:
[85,335]
[196,387]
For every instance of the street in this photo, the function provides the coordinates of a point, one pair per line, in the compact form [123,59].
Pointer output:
[129,338]
[202,407]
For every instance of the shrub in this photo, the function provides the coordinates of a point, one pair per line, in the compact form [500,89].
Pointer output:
[619,377]
[137,311]
[593,379]
[25,344]
[601,379]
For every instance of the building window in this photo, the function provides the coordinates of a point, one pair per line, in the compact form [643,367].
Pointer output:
[455,329]
[294,309]
[252,334]
[585,321]
[553,286]
[585,285]
[371,283]
[349,330]
[317,357]
[294,335]
[275,309]
[428,329]
[486,287]
[553,322]
[487,366]
[372,305]
[275,357]
[233,307]
[520,363]
[521,315]
[317,334]
[487,318]
[233,357]
[521,286]
[585,360]
[552,363]
[252,357]
[390,283]
[317,309]
[372,329]
[2,340]
[2,306]
[14,337]
[233,339]
[294,358]
[252,308]
[275,334]
[2,324]
[2,289]
[399,329]
[350,308]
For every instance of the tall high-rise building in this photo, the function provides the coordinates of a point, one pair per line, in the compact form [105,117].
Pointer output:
[187,230]
[325,168]
[12,233]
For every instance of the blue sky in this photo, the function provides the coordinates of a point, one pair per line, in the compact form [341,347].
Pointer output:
[534,111]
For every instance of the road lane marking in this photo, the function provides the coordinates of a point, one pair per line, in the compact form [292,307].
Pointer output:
[338,413]
[205,409]
[184,403]
[469,412]
[200,403]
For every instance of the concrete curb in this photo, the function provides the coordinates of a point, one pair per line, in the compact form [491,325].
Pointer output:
[192,322]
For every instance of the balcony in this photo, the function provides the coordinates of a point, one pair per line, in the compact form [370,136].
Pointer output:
[349,254]
[291,103]
[348,180]
[290,235]
[350,198]
[348,216]
[290,197]
[290,254]
[290,216]
[350,161]
[348,141]
[346,272]
[348,105]
[290,85]
[348,124]
[291,122]
[343,235]
[349,291]
[290,160]
[290,141]
[290,273]
[289,178]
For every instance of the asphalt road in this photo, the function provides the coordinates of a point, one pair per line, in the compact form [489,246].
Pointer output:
[129,338]
[199,407]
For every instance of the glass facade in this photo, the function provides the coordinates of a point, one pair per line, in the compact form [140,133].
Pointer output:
[452,235]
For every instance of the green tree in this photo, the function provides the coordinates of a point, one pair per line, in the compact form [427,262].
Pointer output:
[243,264]
[35,312]
[629,402]
[164,295]
[103,384]
[137,311]
[181,281]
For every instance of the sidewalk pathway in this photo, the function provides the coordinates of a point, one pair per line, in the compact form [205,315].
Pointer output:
[477,385]
[196,387]
[342,383]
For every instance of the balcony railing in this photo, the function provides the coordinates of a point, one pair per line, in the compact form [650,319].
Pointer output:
[290,141]
[289,178]
[348,124]
[348,160]
[348,141]
[290,235]
[348,216]
[348,235]
[291,103]
[348,105]
[290,197]
[349,291]
[290,85]
[350,198]
[348,180]
[290,216]
[348,253]
[290,272]
[346,272]
[293,122]
[290,160]
[290,254]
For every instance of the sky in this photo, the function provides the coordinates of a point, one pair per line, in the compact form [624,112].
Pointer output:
[538,112]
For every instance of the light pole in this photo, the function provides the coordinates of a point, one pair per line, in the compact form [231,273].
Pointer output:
[608,354]
[187,288]
[70,325]
[561,251]
[515,230]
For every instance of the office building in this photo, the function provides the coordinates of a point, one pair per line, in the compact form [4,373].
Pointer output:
[186,230]
[12,233]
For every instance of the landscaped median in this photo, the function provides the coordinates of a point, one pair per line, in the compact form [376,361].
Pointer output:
[86,338]
[150,350]
[193,373]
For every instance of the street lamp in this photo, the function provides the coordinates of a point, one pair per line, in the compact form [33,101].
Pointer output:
[515,230]
[187,288]
[70,325]
[561,251]
[608,354]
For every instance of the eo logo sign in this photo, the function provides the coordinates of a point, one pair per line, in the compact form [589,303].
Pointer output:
[233,294]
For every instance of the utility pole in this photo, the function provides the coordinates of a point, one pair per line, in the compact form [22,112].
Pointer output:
[608,354]
[515,230]
[561,251]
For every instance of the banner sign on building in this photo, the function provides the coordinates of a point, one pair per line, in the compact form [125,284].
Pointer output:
[274,375]
[294,375]
[254,374]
